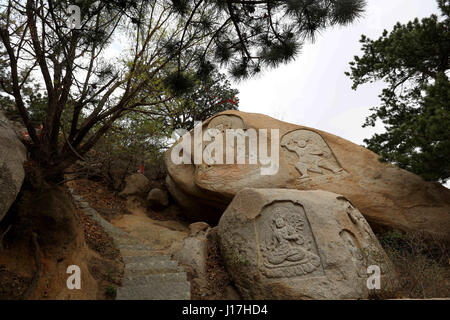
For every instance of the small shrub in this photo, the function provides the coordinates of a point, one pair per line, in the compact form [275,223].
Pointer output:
[110,291]
[234,257]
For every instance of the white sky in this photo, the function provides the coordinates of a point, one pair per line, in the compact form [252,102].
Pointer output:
[314,91]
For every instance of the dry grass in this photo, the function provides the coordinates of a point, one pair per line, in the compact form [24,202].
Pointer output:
[422,264]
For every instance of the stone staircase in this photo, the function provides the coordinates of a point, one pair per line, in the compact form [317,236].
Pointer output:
[149,275]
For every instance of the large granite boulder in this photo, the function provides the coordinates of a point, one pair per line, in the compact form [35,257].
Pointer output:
[12,156]
[309,159]
[291,244]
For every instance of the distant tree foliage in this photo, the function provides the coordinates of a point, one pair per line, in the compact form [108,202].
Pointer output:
[205,99]
[413,60]
[141,137]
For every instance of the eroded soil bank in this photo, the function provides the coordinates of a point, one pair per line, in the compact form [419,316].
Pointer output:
[44,234]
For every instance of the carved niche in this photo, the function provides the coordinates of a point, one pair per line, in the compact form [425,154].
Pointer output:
[312,152]
[224,122]
[286,242]
[363,256]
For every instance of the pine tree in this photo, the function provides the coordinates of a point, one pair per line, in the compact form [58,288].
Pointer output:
[247,36]
[414,61]
[174,44]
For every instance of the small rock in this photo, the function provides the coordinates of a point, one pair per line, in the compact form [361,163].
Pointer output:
[197,227]
[193,252]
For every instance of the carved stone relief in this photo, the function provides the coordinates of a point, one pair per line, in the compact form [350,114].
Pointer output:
[226,122]
[223,123]
[355,249]
[314,155]
[287,245]
[364,255]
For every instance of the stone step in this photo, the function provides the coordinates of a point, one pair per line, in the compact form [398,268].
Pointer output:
[156,290]
[77,198]
[145,258]
[151,263]
[109,227]
[137,252]
[90,212]
[141,269]
[149,279]
[83,204]
[118,233]
[139,246]
[149,274]
[120,240]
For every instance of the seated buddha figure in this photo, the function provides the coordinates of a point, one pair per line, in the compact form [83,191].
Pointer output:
[286,243]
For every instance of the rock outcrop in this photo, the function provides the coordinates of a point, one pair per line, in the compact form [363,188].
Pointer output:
[198,228]
[12,156]
[136,185]
[158,198]
[193,252]
[290,244]
[310,159]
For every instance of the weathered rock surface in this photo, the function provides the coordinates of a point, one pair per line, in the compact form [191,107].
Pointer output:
[158,198]
[290,244]
[197,228]
[12,156]
[136,185]
[311,159]
[193,252]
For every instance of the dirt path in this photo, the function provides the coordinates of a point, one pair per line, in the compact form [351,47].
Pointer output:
[149,273]
[157,234]
[158,231]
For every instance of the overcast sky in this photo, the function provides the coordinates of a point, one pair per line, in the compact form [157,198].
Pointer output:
[314,91]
